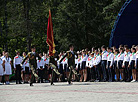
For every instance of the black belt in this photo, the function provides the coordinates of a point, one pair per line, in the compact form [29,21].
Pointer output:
[104,60]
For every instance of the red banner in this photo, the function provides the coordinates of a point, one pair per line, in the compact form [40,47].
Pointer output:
[50,37]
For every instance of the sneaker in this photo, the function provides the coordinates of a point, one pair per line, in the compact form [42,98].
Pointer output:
[1,83]
[7,83]
[133,81]
[96,81]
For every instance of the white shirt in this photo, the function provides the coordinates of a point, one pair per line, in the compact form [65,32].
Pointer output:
[110,57]
[91,64]
[120,57]
[97,59]
[76,61]
[137,54]
[84,58]
[26,64]
[79,61]
[104,55]
[40,63]
[115,57]
[46,61]
[132,57]
[88,61]
[126,58]
[2,57]
[17,60]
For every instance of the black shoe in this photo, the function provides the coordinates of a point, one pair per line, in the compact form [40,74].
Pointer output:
[52,84]
[127,80]
[69,82]
[31,84]
[20,83]
[103,81]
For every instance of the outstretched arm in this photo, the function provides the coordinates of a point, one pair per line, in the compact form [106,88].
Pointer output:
[25,58]
[63,58]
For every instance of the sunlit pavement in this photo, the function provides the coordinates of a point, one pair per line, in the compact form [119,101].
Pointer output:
[77,92]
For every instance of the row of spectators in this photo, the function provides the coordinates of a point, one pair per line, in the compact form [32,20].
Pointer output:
[101,64]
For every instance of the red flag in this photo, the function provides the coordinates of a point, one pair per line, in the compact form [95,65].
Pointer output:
[50,37]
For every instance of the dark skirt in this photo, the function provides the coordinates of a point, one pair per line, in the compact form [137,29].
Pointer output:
[78,67]
[26,70]
[83,65]
[120,63]
[66,68]
[132,64]
[61,68]
[115,65]
[137,63]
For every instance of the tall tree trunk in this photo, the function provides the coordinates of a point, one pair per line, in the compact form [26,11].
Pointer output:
[26,5]
[86,22]
[6,27]
[28,29]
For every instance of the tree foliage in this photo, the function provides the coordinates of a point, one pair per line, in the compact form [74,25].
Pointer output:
[85,23]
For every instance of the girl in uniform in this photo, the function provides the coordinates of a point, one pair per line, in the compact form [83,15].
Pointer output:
[120,63]
[7,69]
[83,64]
[132,64]
[26,71]
[97,63]
[115,65]
[136,60]
[1,70]
[22,72]
[46,61]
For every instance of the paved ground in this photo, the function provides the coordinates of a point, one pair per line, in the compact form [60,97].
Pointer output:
[78,92]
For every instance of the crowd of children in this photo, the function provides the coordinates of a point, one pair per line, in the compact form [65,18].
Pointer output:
[98,65]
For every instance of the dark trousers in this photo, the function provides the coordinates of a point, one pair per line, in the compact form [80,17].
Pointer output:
[110,72]
[92,73]
[41,74]
[18,73]
[98,72]
[113,70]
[61,71]
[128,72]
[103,64]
